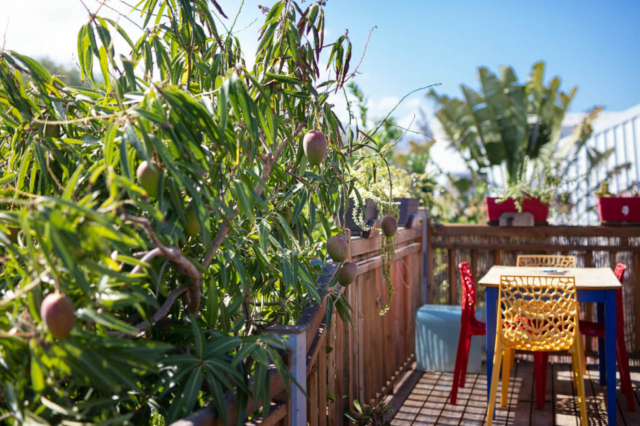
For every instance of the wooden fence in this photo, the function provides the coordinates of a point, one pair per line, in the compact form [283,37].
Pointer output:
[343,362]
[484,246]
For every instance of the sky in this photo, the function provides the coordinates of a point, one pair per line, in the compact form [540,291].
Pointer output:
[592,44]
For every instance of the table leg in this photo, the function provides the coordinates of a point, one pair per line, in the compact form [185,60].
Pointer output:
[602,357]
[491,296]
[610,350]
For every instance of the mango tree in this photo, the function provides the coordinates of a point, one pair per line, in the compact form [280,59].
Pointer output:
[167,212]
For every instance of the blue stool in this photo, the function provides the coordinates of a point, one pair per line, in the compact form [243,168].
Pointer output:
[437,333]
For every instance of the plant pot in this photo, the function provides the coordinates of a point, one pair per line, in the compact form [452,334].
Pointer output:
[537,208]
[407,207]
[619,209]
[370,213]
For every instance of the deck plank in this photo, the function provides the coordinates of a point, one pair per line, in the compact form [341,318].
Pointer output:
[439,396]
[428,402]
[524,395]
[564,402]
[544,415]
[416,399]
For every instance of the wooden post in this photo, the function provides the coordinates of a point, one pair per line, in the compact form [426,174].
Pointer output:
[496,257]
[474,265]
[588,312]
[296,344]
[429,271]
[636,293]
[453,288]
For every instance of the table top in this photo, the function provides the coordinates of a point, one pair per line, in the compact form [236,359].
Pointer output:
[586,278]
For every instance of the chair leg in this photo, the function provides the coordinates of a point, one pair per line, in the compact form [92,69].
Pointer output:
[574,369]
[540,376]
[460,360]
[506,372]
[577,361]
[495,376]
[625,372]
[512,361]
[465,364]
[584,357]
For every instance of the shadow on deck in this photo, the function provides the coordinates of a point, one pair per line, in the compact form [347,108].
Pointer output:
[427,398]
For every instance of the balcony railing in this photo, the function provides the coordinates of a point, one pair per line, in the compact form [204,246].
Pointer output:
[484,246]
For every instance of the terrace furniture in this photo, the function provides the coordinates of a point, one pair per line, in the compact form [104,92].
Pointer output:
[541,360]
[470,327]
[596,329]
[539,314]
[593,285]
[547,261]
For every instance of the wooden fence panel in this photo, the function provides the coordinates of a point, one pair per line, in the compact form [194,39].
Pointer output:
[345,361]
[484,246]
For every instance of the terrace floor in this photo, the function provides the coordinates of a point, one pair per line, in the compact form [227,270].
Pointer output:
[427,403]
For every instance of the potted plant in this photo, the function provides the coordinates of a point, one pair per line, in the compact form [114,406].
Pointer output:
[359,215]
[528,193]
[617,209]
[375,183]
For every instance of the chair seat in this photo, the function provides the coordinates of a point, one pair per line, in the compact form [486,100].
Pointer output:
[590,328]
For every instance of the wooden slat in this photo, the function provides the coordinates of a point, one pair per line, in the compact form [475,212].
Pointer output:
[636,285]
[522,397]
[531,247]
[430,272]
[277,412]
[435,402]
[361,246]
[312,390]
[376,261]
[588,309]
[544,415]
[481,230]
[360,324]
[565,405]
[322,386]
[453,285]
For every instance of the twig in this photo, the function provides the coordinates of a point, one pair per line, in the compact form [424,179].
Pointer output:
[364,51]
[27,288]
[146,259]
[164,309]
[268,167]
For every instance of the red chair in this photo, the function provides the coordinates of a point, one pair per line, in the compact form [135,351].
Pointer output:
[472,327]
[596,329]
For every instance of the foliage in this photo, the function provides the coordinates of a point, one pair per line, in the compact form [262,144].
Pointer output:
[551,178]
[165,322]
[544,187]
[603,191]
[370,414]
[507,121]
[69,75]
[461,200]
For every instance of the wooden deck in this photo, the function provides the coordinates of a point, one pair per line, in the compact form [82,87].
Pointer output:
[428,402]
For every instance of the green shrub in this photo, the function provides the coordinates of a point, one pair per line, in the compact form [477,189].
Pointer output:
[172,292]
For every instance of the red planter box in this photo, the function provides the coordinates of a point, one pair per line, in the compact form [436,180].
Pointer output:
[619,209]
[538,209]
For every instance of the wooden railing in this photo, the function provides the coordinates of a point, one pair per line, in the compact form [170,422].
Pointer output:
[484,246]
[343,362]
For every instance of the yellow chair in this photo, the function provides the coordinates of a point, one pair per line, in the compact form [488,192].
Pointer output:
[547,261]
[536,260]
[537,313]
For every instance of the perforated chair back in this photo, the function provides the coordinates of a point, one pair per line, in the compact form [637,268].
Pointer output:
[538,313]
[547,261]
[468,291]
